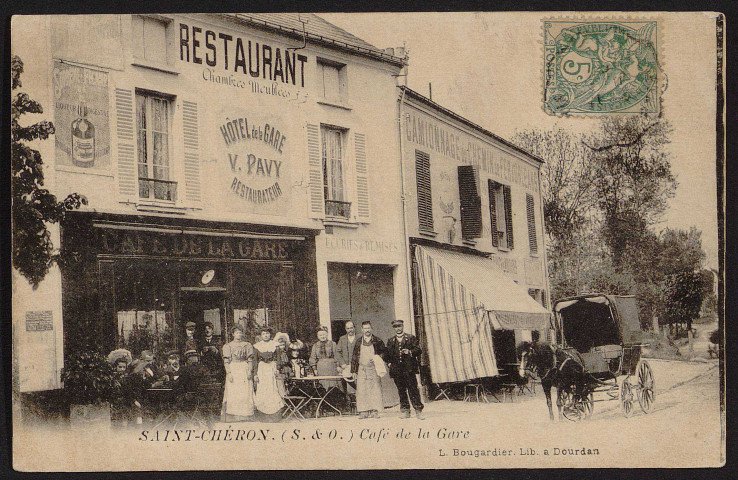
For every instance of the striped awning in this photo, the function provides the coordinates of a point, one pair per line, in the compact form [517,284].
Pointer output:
[464,298]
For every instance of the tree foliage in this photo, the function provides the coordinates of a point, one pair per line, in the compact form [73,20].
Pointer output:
[633,179]
[33,206]
[567,181]
[603,193]
[683,294]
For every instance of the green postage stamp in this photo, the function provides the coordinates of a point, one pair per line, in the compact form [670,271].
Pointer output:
[600,67]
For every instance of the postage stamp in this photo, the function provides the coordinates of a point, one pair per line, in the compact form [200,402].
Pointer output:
[599,67]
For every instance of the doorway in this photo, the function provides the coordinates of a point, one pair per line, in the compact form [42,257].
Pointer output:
[200,305]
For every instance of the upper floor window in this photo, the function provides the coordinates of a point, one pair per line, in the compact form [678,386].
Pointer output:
[531,216]
[334,169]
[470,202]
[500,214]
[152,42]
[332,80]
[153,124]
[425,198]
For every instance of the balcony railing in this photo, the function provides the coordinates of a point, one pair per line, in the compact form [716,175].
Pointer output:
[155,189]
[335,208]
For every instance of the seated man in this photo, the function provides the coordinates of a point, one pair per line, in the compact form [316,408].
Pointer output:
[172,376]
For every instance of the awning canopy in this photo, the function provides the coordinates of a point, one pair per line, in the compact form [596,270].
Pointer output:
[464,298]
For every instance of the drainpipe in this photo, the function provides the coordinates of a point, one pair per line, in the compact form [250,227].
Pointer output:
[403,198]
[545,250]
[408,262]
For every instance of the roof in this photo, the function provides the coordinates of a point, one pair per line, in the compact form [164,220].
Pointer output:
[316,30]
[427,101]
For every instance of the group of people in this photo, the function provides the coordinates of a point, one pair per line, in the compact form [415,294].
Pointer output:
[254,375]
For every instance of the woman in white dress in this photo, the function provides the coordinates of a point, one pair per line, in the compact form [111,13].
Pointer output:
[238,397]
[268,356]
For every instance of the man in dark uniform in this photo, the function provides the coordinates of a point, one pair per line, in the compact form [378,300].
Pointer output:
[210,353]
[403,354]
[190,342]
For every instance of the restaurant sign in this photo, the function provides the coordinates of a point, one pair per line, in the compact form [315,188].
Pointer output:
[243,63]
[143,243]
[254,156]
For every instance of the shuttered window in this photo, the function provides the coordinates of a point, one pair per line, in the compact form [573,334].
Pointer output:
[362,178]
[530,214]
[500,214]
[471,203]
[425,200]
[191,151]
[126,144]
[508,215]
[493,188]
[316,171]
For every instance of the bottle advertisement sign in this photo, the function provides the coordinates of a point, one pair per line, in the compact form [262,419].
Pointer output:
[81,117]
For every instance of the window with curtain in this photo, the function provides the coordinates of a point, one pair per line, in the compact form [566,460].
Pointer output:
[333,157]
[152,129]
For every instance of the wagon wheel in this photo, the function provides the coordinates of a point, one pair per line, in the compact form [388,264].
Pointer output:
[588,405]
[576,409]
[645,385]
[626,397]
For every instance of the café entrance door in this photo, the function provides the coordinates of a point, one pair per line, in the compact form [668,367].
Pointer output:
[200,305]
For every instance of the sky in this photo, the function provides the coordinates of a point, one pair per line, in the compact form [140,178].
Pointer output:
[487,67]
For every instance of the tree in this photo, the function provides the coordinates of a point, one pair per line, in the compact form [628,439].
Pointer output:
[568,202]
[633,179]
[568,194]
[33,207]
[683,294]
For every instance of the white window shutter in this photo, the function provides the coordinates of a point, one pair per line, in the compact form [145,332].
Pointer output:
[362,178]
[315,164]
[127,179]
[191,151]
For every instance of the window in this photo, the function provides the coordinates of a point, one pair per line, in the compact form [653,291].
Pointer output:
[500,214]
[531,215]
[425,200]
[471,203]
[152,131]
[149,39]
[332,82]
[333,159]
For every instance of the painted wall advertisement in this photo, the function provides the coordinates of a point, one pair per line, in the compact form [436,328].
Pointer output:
[81,117]
[255,158]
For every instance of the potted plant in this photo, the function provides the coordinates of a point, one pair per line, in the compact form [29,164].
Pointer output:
[89,386]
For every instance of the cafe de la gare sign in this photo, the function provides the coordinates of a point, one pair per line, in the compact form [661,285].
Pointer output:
[142,243]
[255,159]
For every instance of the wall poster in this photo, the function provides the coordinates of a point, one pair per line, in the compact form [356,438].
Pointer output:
[81,117]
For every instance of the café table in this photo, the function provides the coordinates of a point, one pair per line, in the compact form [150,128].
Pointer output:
[308,387]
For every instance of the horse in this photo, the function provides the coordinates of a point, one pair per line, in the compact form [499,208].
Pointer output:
[554,367]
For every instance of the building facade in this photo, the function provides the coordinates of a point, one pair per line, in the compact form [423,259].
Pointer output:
[476,237]
[236,170]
